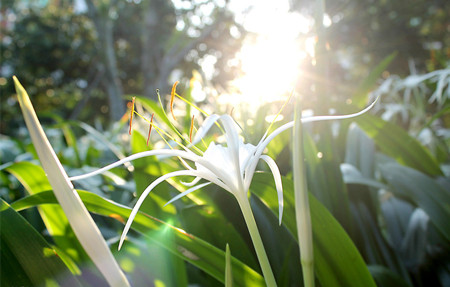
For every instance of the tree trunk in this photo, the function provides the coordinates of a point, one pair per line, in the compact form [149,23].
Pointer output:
[104,26]
[149,46]
[114,85]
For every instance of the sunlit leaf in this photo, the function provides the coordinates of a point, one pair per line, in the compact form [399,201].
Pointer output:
[395,142]
[192,249]
[360,96]
[145,172]
[81,222]
[27,259]
[33,178]
[325,180]
[228,268]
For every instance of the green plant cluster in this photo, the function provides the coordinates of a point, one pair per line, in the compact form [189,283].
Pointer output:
[379,205]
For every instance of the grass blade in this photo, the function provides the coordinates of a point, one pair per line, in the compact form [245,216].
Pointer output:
[228,268]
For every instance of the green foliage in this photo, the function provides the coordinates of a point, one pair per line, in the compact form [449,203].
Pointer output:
[27,259]
[393,140]
[337,261]
[33,178]
[212,217]
[192,249]
[378,187]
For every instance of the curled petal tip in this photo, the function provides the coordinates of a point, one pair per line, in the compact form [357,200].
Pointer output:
[122,239]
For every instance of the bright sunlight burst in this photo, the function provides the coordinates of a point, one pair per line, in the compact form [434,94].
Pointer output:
[271,59]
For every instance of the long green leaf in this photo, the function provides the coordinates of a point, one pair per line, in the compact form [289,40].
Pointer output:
[325,180]
[386,278]
[158,110]
[424,191]
[192,249]
[27,259]
[360,96]
[228,269]
[33,178]
[395,142]
[81,222]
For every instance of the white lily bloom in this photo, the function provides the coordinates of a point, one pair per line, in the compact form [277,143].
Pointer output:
[226,166]
[231,167]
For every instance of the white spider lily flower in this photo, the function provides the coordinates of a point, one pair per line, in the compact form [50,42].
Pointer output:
[225,166]
[231,167]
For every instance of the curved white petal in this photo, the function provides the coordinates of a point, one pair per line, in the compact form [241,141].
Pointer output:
[262,145]
[204,128]
[179,153]
[278,185]
[246,153]
[187,192]
[183,154]
[145,194]
[185,164]
[192,183]
[233,145]
[211,177]
[216,162]
[249,171]
[260,149]
[339,117]
[217,181]
[312,119]
[232,137]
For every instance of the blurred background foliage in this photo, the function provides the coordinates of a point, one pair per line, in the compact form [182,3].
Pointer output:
[384,177]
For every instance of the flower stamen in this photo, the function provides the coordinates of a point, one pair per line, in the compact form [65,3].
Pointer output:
[192,127]
[172,96]
[131,114]
[150,128]
[279,112]
[192,105]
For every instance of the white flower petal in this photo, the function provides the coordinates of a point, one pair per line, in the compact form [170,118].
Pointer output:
[192,183]
[262,145]
[246,153]
[339,117]
[219,164]
[233,146]
[183,154]
[278,184]
[210,166]
[187,192]
[204,128]
[145,194]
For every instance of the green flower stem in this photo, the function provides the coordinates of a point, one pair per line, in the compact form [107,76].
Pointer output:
[302,213]
[257,241]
